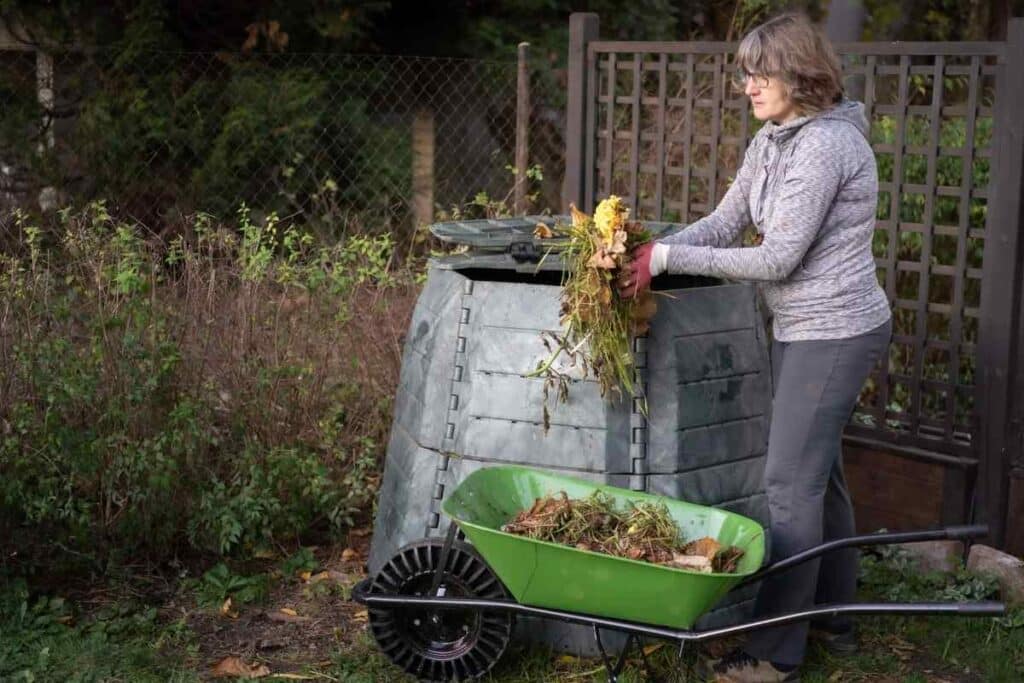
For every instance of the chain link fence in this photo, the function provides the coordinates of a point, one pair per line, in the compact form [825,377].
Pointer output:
[338,142]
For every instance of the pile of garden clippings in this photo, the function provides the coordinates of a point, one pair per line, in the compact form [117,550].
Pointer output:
[645,532]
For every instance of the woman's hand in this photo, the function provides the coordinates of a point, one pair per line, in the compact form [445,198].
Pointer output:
[635,276]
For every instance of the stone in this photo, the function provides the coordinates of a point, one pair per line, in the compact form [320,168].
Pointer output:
[935,556]
[1007,569]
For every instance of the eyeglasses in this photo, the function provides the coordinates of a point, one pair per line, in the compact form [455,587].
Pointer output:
[741,77]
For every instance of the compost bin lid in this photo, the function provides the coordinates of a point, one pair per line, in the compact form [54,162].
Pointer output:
[509,242]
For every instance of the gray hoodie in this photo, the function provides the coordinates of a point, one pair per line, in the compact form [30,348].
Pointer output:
[810,188]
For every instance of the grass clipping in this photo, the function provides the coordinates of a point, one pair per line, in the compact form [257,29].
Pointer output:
[645,532]
[598,325]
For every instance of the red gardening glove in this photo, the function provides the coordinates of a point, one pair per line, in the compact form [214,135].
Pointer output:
[636,275]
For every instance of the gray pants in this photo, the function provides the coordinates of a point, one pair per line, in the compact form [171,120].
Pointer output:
[816,386]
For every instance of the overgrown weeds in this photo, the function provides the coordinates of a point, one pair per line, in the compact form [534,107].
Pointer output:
[223,391]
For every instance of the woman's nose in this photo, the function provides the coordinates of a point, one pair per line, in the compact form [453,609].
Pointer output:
[750,87]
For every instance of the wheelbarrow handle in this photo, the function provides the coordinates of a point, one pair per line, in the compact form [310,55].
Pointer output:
[945,534]
[954,533]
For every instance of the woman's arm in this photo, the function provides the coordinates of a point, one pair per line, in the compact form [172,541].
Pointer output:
[805,197]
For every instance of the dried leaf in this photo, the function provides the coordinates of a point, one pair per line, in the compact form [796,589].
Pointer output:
[286,615]
[694,562]
[234,667]
[348,555]
[601,259]
[305,576]
[706,547]
[543,232]
[618,245]
[579,219]
[361,615]
[226,611]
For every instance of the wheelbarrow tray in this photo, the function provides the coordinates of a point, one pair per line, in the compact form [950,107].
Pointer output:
[551,575]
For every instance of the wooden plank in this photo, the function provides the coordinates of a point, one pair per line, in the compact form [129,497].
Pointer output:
[963,227]
[923,288]
[634,136]
[659,188]
[1000,291]
[609,150]
[687,135]
[590,145]
[716,128]
[876,48]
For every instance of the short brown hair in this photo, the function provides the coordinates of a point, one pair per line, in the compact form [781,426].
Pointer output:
[789,47]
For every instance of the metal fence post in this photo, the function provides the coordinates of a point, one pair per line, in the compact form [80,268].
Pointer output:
[583,28]
[1001,287]
[522,126]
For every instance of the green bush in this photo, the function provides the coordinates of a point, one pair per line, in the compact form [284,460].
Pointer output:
[220,392]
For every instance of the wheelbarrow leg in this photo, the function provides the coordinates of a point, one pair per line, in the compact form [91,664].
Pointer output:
[613,671]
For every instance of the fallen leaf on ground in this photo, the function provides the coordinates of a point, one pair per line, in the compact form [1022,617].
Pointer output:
[347,555]
[286,615]
[331,575]
[234,667]
[651,649]
[542,232]
[361,615]
[305,576]
[226,611]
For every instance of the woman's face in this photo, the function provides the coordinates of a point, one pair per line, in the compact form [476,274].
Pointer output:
[768,97]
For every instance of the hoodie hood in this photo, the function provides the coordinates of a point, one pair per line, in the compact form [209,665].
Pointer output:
[846,110]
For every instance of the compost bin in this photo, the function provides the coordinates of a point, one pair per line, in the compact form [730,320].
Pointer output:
[464,402]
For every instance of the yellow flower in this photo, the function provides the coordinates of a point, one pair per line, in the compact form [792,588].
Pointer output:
[609,217]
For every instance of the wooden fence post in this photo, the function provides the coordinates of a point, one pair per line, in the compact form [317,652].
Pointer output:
[423,168]
[522,127]
[998,344]
[583,28]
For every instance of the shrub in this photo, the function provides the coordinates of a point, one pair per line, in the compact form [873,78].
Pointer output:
[219,392]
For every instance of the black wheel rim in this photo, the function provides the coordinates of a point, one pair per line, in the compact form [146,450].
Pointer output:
[440,645]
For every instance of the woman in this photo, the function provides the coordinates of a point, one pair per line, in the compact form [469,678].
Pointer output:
[809,185]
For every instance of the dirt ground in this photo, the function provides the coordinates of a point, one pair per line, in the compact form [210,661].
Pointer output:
[304,619]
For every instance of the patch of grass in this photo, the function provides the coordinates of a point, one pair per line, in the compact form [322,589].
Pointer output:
[41,639]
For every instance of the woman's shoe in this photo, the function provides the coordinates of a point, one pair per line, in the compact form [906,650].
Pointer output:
[739,667]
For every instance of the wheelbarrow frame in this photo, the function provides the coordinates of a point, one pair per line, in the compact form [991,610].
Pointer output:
[635,631]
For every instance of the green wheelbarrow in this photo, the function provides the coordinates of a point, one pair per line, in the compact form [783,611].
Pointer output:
[443,609]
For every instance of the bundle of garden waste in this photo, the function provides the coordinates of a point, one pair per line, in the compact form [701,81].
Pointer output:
[645,531]
[598,324]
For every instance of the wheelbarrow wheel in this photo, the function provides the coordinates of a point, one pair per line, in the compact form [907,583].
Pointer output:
[440,645]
